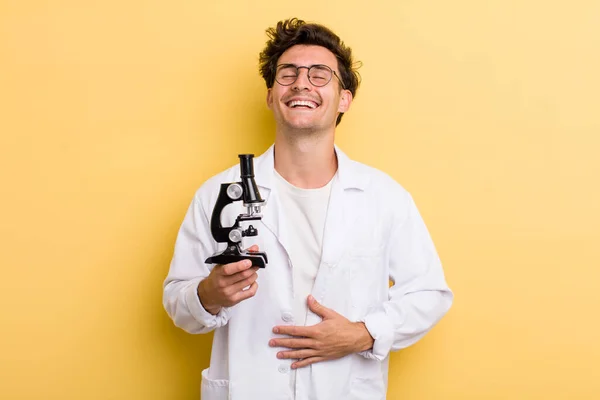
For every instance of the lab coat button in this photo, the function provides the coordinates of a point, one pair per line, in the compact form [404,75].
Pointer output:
[284,369]
[287,317]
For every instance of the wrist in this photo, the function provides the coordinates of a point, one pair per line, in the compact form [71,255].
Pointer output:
[210,307]
[365,340]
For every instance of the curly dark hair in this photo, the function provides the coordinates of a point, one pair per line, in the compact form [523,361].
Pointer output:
[294,31]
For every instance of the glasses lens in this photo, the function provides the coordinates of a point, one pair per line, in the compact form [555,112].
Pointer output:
[319,75]
[286,74]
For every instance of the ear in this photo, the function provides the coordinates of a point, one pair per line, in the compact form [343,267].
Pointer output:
[269,98]
[345,101]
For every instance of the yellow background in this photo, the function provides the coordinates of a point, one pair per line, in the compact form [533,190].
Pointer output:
[112,113]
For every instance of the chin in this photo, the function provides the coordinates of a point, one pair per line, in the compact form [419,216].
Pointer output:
[313,123]
[303,126]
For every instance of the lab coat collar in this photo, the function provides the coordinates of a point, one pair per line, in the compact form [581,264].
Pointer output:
[350,175]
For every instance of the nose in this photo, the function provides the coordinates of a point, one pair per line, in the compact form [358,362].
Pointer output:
[302,81]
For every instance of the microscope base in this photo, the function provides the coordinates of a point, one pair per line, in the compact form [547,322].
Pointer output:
[258,259]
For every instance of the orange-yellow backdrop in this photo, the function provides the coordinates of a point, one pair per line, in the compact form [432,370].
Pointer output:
[112,113]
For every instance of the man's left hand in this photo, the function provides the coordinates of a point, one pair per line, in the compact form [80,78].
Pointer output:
[332,338]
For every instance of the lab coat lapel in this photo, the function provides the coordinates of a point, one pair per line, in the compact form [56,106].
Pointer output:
[273,219]
[344,206]
[272,214]
[341,215]
[346,202]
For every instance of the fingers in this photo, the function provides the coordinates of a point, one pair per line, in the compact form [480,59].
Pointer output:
[234,268]
[231,280]
[246,294]
[294,343]
[253,248]
[224,287]
[297,354]
[307,361]
[301,331]
[247,281]
[319,309]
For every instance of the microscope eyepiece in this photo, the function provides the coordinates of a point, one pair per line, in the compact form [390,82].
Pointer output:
[251,193]
[246,165]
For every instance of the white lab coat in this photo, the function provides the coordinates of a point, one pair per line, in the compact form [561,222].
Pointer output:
[373,234]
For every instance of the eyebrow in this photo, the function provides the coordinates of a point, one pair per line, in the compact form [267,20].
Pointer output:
[309,66]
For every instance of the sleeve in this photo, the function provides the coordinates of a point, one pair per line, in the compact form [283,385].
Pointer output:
[419,296]
[193,245]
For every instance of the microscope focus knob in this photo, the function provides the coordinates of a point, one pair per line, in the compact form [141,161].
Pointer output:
[234,191]
[235,235]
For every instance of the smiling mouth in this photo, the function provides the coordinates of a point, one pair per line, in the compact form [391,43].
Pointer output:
[302,104]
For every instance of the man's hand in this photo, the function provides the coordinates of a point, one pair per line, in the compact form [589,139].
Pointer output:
[334,337]
[224,286]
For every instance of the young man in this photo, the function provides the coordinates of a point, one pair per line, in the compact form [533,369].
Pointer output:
[320,321]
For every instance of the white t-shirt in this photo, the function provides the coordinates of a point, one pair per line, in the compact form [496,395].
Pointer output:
[306,210]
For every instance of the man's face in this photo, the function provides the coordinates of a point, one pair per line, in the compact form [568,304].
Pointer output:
[302,105]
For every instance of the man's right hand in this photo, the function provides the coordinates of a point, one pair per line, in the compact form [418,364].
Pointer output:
[224,286]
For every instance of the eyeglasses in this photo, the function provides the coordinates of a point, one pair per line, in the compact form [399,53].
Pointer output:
[318,75]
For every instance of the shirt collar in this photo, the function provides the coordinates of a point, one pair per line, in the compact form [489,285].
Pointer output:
[350,173]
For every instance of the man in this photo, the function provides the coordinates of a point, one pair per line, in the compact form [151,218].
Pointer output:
[320,321]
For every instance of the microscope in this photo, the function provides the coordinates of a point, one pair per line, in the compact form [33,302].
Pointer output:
[247,192]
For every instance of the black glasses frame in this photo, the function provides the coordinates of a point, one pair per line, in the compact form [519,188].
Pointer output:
[308,68]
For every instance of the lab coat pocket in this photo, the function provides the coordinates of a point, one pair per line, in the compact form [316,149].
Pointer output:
[214,389]
[362,270]
[367,380]
[367,389]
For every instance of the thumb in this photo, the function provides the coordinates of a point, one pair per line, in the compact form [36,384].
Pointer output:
[319,309]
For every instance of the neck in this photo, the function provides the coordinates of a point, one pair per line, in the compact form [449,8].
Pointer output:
[306,161]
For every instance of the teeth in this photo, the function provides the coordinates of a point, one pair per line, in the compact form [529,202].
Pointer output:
[302,103]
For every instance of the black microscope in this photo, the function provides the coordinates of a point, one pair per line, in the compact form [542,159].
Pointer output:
[247,192]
